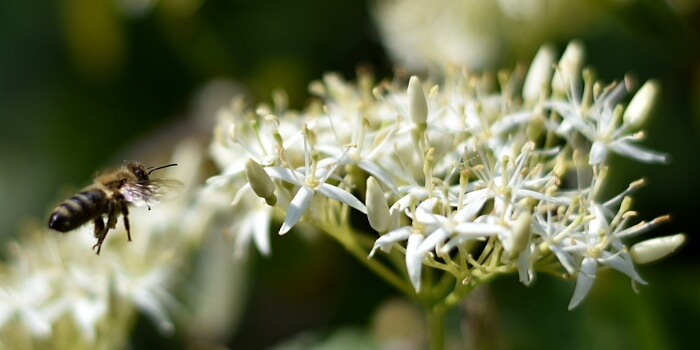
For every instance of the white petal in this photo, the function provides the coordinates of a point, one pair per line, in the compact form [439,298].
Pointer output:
[35,322]
[617,262]
[150,305]
[296,209]
[639,153]
[242,236]
[522,193]
[565,259]
[478,195]
[598,153]
[414,259]
[261,235]
[584,282]
[379,173]
[385,242]
[428,205]
[432,240]
[599,222]
[407,200]
[572,118]
[501,126]
[424,213]
[468,231]
[87,314]
[470,210]
[480,229]
[6,311]
[342,196]
[525,272]
[219,180]
[285,175]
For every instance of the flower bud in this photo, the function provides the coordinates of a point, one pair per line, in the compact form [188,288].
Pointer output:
[656,248]
[377,207]
[641,105]
[569,68]
[260,182]
[539,75]
[520,234]
[417,105]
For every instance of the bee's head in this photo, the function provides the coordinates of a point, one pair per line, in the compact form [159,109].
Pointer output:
[142,173]
[139,170]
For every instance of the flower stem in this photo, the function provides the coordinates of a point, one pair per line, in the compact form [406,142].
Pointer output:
[436,325]
[348,239]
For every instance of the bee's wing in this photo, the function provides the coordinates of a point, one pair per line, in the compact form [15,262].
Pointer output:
[152,192]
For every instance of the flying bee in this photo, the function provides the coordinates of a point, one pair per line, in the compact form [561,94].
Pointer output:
[110,195]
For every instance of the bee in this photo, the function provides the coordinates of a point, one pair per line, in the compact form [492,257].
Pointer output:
[110,195]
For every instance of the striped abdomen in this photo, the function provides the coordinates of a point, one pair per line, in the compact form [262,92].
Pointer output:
[78,210]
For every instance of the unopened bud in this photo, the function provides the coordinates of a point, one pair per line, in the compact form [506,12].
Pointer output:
[656,248]
[641,105]
[377,207]
[540,74]
[260,182]
[520,234]
[417,105]
[569,68]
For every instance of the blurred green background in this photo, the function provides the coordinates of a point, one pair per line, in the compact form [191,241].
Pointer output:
[85,84]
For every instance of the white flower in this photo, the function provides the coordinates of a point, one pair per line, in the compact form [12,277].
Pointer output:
[310,182]
[593,246]
[25,303]
[553,239]
[253,223]
[603,124]
[241,136]
[429,233]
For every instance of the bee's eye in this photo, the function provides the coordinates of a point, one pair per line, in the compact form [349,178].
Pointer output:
[140,174]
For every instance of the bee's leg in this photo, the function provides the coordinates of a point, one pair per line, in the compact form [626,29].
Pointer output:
[125,214]
[100,234]
[112,216]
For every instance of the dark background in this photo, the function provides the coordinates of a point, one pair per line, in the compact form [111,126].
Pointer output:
[83,86]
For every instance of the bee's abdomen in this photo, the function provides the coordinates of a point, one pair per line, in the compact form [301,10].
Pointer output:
[78,210]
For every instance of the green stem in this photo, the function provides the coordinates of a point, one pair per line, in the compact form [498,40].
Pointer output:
[451,300]
[443,285]
[347,238]
[436,325]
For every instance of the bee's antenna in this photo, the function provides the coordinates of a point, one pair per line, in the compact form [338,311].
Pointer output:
[152,169]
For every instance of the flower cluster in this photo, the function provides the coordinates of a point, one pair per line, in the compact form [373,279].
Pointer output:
[467,176]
